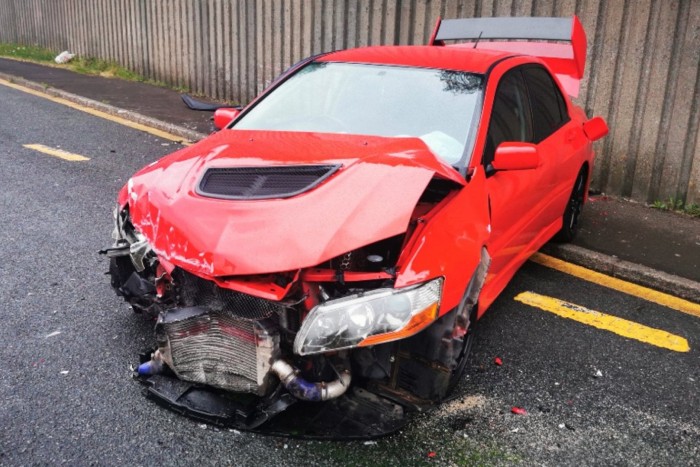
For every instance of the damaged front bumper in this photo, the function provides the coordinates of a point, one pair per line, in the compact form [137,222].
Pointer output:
[339,336]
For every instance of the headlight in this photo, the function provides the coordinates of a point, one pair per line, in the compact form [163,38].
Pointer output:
[372,318]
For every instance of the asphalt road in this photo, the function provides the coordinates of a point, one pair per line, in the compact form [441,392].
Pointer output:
[67,343]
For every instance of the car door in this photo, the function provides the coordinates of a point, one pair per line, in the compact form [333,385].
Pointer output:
[516,197]
[558,140]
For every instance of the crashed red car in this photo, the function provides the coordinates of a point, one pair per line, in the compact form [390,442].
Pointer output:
[326,255]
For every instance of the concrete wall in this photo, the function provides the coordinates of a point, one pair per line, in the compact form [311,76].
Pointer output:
[641,75]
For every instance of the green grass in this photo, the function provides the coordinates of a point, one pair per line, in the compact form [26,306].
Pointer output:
[26,52]
[84,65]
[677,205]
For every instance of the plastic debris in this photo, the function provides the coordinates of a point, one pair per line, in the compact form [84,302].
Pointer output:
[64,372]
[370,443]
[64,57]
[498,361]
[598,374]
[55,333]
[561,425]
[432,454]
[518,411]
[203,426]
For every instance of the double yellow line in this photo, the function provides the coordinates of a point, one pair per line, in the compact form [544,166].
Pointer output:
[611,323]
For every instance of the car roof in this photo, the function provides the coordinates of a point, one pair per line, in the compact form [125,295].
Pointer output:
[461,57]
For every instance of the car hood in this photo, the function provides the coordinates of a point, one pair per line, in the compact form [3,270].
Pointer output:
[369,198]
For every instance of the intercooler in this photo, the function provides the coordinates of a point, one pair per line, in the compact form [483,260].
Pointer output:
[227,340]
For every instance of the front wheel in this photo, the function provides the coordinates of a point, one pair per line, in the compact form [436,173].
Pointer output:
[465,347]
[573,210]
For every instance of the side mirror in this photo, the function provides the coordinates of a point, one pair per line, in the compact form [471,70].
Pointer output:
[595,128]
[516,156]
[224,115]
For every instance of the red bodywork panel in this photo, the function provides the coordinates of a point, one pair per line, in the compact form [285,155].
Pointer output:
[369,199]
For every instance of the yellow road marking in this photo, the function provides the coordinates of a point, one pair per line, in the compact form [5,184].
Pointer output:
[614,283]
[99,113]
[610,323]
[60,153]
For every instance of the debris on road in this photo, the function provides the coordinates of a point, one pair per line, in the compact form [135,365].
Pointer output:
[52,334]
[64,372]
[498,361]
[598,374]
[518,411]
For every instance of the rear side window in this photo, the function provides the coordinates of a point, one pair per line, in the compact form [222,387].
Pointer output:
[510,117]
[548,105]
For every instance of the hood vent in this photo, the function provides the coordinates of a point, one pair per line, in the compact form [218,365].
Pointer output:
[262,182]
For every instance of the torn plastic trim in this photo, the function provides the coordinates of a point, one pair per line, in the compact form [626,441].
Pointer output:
[128,241]
[307,391]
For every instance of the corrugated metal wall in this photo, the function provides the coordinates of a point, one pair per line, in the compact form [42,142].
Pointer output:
[642,71]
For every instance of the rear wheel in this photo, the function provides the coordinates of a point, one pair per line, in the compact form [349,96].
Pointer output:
[569,228]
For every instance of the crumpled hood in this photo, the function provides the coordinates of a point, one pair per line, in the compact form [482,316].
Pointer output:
[370,198]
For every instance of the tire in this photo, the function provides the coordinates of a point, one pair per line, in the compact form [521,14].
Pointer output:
[572,212]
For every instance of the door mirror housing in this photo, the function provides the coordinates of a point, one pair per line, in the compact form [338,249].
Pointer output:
[224,116]
[595,128]
[516,156]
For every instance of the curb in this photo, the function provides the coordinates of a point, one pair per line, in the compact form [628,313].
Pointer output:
[187,134]
[632,272]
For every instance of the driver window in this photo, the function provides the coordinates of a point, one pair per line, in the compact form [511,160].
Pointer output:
[510,117]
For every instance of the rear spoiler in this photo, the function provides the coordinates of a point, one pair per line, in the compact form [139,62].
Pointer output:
[567,61]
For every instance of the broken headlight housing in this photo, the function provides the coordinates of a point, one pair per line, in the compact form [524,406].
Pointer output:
[370,318]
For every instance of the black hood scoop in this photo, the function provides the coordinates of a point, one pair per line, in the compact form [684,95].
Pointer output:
[249,183]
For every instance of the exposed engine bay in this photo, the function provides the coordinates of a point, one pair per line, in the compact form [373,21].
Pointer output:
[342,353]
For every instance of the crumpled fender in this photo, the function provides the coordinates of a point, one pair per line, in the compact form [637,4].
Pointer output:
[450,242]
[369,199]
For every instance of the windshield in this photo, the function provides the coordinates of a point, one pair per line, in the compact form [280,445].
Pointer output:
[437,106]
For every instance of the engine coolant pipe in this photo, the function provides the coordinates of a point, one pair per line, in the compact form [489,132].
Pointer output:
[307,391]
[151,367]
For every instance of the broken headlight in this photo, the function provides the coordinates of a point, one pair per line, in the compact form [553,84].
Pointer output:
[370,318]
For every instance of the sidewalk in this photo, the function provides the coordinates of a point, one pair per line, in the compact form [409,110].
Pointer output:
[622,238]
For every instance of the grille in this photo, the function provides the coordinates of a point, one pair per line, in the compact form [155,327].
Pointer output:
[219,350]
[262,182]
[195,291]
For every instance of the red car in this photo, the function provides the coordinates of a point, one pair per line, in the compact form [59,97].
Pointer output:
[338,239]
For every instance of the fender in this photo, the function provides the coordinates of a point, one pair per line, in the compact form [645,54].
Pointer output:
[444,243]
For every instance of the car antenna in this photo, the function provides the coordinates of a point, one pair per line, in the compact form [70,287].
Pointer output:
[477,39]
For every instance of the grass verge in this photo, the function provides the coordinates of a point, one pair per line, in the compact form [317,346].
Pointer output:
[677,205]
[84,65]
